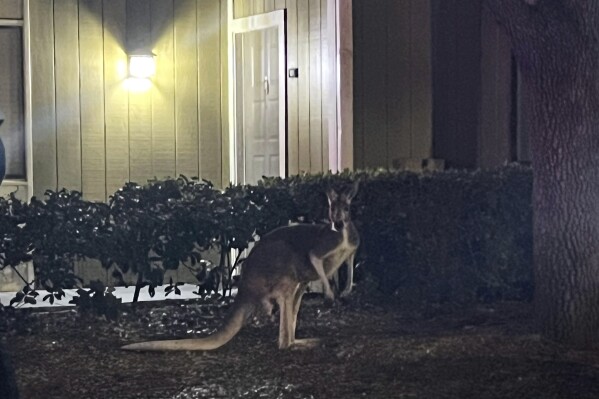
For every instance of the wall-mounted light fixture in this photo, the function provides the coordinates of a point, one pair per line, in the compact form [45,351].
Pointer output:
[142,67]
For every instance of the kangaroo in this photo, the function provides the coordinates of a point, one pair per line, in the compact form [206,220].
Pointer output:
[278,270]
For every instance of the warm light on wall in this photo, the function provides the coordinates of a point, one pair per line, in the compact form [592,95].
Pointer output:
[138,85]
[142,66]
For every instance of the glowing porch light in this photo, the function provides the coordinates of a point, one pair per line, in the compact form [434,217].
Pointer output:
[142,66]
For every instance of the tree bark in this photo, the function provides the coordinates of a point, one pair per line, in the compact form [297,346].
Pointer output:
[556,46]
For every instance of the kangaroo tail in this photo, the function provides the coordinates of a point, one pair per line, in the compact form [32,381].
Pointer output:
[235,319]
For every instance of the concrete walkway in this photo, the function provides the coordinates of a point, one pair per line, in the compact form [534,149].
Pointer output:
[125,293]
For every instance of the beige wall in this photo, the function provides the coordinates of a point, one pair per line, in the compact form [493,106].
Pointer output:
[456,52]
[434,78]
[475,89]
[90,132]
[392,81]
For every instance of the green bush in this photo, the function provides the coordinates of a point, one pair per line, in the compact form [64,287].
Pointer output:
[457,236]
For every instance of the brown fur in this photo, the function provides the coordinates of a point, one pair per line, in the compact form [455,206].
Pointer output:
[278,269]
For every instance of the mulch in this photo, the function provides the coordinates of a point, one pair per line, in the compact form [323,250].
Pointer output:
[367,351]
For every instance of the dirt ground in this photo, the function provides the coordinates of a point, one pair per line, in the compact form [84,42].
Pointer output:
[367,351]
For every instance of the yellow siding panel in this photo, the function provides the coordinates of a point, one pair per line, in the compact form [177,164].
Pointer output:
[280,4]
[209,97]
[243,8]
[93,151]
[292,91]
[315,99]
[327,98]
[269,5]
[257,7]
[421,79]
[163,91]
[66,35]
[42,101]
[359,34]
[116,102]
[140,107]
[224,90]
[186,88]
[375,140]
[303,59]
[237,7]
[398,91]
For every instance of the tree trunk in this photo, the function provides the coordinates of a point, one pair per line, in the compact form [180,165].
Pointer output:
[556,46]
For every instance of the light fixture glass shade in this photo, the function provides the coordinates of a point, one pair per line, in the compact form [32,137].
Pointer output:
[141,66]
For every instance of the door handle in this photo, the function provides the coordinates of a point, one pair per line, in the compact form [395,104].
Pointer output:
[266,85]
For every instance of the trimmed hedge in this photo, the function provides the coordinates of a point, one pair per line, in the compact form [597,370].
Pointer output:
[445,236]
[455,236]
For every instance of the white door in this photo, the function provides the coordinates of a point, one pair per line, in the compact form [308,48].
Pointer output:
[259,127]
[259,99]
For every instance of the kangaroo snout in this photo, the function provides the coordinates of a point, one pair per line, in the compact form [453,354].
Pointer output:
[338,225]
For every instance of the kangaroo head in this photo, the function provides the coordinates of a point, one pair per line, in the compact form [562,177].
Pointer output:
[339,206]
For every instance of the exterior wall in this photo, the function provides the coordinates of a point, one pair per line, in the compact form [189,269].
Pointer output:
[392,82]
[497,107]
[475,88]
[92,134]
[309,94]
[456,50]
[434,79]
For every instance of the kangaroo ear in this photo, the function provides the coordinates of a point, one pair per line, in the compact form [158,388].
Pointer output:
[354,190]
[331,195]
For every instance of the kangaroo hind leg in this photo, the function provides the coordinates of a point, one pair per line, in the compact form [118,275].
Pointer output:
[297,300]
[304,343]
[286,327]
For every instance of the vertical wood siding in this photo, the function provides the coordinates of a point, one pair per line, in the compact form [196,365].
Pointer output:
[303,64]
[93,134]
[93,148]
[116,102]
[293,141]
[43,100]
[90,132]
[186,88]
[209,82]
[392,81]
[140,106]
[472,79]
[496,96]
[163,95]
[432,78]
[457,81]
[224,93]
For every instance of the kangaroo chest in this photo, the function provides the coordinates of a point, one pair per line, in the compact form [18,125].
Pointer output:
[342,251]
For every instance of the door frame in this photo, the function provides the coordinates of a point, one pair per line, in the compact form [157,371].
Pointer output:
[241,25]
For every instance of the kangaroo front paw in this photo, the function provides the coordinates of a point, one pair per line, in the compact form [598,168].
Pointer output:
[329,300]
[306,343]
[329,297]
[345,293]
